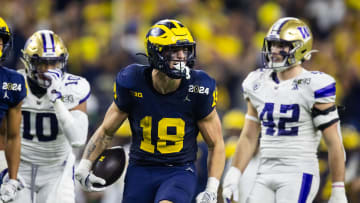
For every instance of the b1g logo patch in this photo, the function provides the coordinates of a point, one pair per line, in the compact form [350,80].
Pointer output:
[11,86]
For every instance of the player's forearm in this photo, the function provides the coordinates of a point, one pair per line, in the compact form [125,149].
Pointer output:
[336,163]
[12,153]
[245,150]
[217,159]
[97,144]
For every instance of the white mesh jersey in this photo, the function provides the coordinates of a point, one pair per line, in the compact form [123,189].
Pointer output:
[284,110]
[43,141]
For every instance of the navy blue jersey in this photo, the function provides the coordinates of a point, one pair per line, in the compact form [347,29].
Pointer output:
[13,90]
[164,127]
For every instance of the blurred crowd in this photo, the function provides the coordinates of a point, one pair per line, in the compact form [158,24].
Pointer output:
[104,36]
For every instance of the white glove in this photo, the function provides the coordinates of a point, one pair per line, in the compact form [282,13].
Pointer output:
[55,76]
[87,178]
[231,184]
[210,193]
[9,189]
[338,193]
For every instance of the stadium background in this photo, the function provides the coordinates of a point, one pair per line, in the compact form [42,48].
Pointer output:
[103,36]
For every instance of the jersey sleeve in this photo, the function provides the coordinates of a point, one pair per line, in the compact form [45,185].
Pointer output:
[21,90]
[82,90]
[246,85]
[207,101]
[323,88]
[122,96]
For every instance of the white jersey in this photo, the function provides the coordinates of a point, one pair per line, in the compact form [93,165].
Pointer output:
[43,141]
[284,110]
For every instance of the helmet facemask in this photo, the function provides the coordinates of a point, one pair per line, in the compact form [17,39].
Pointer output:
[6,36]
[292,33]
[164,38]
[42,51]
[161,57]
[289,59]
[35,64]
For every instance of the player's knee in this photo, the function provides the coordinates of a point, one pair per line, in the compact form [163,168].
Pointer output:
[165,201]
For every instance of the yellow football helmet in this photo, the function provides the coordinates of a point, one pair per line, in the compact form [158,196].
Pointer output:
[169,35]
[43,47]
[6,36]
[290,32]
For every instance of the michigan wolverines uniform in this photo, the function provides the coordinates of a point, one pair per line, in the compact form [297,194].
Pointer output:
[164,130]
[288,134]
[12,92]
[46,154]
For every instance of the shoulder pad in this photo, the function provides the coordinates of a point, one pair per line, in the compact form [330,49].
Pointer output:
[253,80]
[127,76]
[200,77]
[323,86]
[77,86]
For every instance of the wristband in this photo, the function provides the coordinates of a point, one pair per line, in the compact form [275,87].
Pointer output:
[212,184]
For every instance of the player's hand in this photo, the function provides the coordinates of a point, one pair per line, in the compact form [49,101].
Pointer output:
[206,197]
[9,189]
[87,178]
[210,193]
[338,193]
[231,185]
[55,76]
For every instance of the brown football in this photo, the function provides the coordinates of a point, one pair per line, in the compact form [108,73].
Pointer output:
[110,165]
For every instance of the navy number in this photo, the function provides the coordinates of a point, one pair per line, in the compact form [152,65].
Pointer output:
[269,120]
[39,126]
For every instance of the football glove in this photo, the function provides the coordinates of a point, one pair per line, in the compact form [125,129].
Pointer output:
[231,184]
[210,193]
[338,193]
[55,76]
[87,178]
[9,189]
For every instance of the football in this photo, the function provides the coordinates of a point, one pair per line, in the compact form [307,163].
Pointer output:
[110,165]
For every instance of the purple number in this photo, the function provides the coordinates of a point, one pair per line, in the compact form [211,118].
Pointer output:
[268,119]
[294,118]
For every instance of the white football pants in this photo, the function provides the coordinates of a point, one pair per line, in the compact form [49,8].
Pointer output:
[47,184]
[285,184]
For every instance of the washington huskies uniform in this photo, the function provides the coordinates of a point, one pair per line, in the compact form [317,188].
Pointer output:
[288,134]
[46,154]
[164,130]
[12,92]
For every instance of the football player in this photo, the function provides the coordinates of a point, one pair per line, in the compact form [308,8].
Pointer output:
[54,121]
[12,93]
[288,105]
[167,103]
